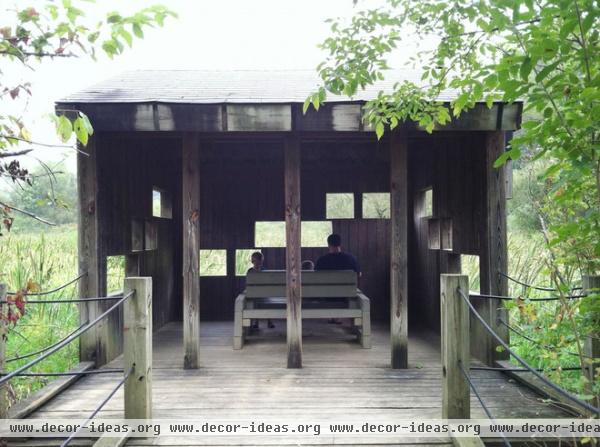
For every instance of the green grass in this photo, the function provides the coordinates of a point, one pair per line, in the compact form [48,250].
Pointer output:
[50,260]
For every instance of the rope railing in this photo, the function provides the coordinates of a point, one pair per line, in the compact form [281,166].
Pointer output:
[530,286]
[523,363]
[481,402]
[99,407]
[74,335]
[48,292]
[510,298]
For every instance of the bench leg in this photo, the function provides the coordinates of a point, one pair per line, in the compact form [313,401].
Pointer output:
[365,333]
[238,329]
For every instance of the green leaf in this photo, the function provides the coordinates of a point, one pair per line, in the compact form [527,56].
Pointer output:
[525,69]
[80,131]
[64,128]
[137,31]
[306,105]
[379,129]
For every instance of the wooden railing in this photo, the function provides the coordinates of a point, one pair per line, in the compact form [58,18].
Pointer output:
[456,310]
[137,352]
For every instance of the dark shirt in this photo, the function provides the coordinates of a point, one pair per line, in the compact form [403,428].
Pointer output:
[337,261]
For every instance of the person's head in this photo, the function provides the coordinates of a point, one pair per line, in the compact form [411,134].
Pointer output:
[257,260]
[334,243]
[308,265]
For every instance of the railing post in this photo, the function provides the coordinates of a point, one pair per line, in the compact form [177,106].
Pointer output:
[3,334]
[591,347]
[455,347]
[137,347]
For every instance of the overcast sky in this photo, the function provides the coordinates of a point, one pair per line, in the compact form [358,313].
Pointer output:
[209,34]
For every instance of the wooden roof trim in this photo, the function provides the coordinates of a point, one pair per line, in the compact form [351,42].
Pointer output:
[336,117]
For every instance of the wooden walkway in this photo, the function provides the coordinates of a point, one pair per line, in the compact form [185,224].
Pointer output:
[339,380]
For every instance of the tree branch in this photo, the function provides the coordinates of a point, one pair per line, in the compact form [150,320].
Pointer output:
[27,213]
[15,154]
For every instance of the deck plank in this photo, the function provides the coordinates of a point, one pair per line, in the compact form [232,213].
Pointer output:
[339,378]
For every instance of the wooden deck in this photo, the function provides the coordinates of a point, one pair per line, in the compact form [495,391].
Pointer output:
[339,379]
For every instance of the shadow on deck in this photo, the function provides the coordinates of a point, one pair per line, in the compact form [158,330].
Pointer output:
[339,380]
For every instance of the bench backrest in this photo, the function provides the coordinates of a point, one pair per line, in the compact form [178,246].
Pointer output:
[321,284]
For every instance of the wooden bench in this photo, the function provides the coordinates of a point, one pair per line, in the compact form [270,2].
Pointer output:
[264,298]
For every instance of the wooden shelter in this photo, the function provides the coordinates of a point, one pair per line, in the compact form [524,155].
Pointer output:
[227,150]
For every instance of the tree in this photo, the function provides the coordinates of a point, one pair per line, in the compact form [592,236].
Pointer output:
[33,35]
[545,52]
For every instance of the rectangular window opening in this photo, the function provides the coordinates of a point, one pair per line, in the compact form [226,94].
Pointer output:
[115,273]
[161,203]
[469,265]
[243,260]
[339,205]
[272,234]
[213,263]
[376,205]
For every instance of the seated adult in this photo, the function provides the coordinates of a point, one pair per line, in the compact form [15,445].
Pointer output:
[337,259]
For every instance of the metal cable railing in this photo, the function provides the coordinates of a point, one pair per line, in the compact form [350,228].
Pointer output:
[529,286]
[98,408]
[523,363]
[74,335]
[510,298]
[481,402]
[72,373]
[40,351]
[536,342]
[48,292]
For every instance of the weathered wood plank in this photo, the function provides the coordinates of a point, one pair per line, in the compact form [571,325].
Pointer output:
[259,118]
[591,284]
[455,347]
[112,440]
[36,400]
[3,335]
[293,253]
[92,263]
[191,247]
[493,255]
[137,347]
[399,250]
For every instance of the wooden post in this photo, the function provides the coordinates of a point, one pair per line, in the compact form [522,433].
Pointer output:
[137,347]
[493,255]
[292,258]
[3,333]
[591,347]
[399,250]
[191,250]
[455,347]
[92,264]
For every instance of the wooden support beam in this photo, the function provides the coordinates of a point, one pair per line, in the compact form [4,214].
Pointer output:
[293,255]
[92,262]
[3,333]
[493,254]
[137,347]
[399,250]
[455,347]
[191,250]
[591,347]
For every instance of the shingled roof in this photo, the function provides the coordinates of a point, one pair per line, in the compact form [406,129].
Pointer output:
[225,86]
